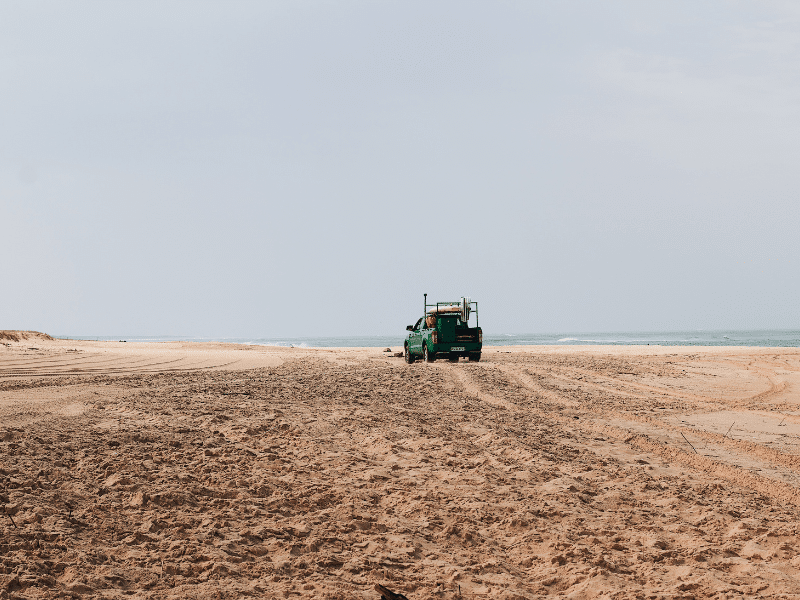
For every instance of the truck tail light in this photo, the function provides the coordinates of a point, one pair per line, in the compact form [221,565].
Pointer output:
[435,337]
[480,335]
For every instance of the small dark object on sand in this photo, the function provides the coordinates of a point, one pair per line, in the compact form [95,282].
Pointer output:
[388,350]
[8,514]
[387,594]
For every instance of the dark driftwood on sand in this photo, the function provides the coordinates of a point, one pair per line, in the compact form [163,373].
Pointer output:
[387,594]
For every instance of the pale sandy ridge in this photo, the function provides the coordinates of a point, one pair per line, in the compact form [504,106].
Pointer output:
[37,357]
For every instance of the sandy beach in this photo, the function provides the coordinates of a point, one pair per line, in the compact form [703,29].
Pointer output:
[189,470]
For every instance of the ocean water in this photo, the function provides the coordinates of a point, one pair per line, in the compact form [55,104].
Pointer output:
[763,338]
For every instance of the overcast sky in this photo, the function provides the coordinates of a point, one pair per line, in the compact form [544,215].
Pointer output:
[311,168]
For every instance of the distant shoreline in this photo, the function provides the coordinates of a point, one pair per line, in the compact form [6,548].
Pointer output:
[779,338]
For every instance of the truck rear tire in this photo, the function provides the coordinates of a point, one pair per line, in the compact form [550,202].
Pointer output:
[407,355]
[453,358]
[428,357]
[474,356]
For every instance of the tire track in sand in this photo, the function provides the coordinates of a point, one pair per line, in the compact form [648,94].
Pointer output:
[744,448]
[599,423]
[471,388]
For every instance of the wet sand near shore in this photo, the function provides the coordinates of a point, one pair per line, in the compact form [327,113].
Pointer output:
[188,470]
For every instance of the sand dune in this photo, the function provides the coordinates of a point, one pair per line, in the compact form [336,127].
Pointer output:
[194,470]
[21,336]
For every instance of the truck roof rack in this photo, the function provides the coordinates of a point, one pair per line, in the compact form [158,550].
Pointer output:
[463,306]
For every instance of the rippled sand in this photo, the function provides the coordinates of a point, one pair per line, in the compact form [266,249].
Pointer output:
[212,470]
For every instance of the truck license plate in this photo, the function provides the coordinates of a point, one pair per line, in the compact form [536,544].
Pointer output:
[457,349]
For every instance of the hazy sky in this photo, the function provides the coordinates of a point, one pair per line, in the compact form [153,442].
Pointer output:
[311,168]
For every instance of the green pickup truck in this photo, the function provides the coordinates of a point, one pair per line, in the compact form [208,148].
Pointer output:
[444,331]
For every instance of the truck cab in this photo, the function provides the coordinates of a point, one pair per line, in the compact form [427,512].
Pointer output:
[444,330]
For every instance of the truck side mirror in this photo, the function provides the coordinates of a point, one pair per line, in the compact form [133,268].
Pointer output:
[409,328]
